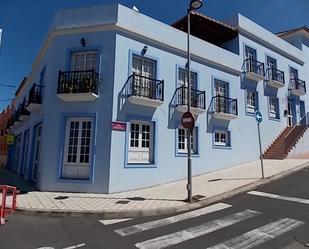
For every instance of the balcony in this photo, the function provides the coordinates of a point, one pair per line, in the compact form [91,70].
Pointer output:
[275,77]
[145,91]
[253,70]
[297,86]
[75,86]
[34,99]
[22,113]
[224,108]
[197,100]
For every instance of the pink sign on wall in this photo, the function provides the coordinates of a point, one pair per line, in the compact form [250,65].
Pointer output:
[118,126]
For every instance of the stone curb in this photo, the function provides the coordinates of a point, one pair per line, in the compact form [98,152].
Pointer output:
[109,214]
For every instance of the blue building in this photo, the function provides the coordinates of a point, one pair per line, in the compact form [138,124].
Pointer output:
[100,110]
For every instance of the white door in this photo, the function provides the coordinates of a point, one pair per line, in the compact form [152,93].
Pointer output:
[290,113]
[77,152]
[140,144]
[37,149]
[17,153]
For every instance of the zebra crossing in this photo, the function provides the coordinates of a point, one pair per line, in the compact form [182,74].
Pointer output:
[249,239]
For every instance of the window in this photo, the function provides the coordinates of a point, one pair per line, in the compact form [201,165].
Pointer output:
[250,53]
[82,61]
[222,138]
[146,70]
[271,62]
[273,108]
[140,143]
[182,78]
[293,73]
[252,101]
[182,141]
[77,154]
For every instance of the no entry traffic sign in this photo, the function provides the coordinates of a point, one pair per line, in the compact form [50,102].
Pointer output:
[188,120]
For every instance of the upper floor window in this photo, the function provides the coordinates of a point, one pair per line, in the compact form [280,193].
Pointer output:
[252,101]
[144,67]
[293,73]
[182,78]
[82,61]
[250,53]
[271,62]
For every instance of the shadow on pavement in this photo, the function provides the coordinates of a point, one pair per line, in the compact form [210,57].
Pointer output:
[8,177]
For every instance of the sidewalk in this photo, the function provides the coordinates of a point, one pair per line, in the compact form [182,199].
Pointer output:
[163,199]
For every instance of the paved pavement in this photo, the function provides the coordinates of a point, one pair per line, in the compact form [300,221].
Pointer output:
[163,199]
[271,216]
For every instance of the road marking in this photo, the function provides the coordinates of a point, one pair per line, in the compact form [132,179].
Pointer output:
[194,232]
[260,235]
[75,246]
[70,247]
[113,221]
[279,197]
[166,221]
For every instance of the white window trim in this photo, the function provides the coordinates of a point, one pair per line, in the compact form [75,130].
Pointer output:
[273,112]
[140,148]
[66,144]
[227,142]
[194,149]
[84,53]
[249,107]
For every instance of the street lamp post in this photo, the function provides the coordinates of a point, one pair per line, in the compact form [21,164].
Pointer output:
[194,5]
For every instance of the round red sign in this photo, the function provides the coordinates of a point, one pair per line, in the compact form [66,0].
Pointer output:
[188,120]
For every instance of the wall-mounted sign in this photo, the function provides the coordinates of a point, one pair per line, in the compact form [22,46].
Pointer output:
[10,139]
[118,126]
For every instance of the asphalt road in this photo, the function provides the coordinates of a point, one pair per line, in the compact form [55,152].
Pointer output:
[273,216]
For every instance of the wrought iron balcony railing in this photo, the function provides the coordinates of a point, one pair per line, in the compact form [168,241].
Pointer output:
[275,74]
[224,105]
[145,87]
[78,82]
[297,84]
[253,66]
[197,97]
[35,96]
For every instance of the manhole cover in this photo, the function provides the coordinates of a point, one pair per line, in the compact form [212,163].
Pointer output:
[122,202]
[61,197]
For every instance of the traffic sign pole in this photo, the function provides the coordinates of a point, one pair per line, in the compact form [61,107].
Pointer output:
[261,155]
[259,118]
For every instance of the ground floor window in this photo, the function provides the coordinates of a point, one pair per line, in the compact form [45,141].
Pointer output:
[273,108]
[222,138]
[140,142]
[183,141]
[77,148]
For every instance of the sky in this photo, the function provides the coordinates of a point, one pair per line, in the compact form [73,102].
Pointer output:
[25,24]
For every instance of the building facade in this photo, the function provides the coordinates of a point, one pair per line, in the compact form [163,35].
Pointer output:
[4,118]
[101,109]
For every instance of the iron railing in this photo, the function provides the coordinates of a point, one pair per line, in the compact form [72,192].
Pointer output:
[197,97]
[275,74]
[251,65]
[78,82]
[145,87]
[297,84]
[224,105]
[35,96]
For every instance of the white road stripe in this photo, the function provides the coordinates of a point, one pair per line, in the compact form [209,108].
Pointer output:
[194,232]
[279,197]
[260,235]
[75,246]
[113,221]
[166,221]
